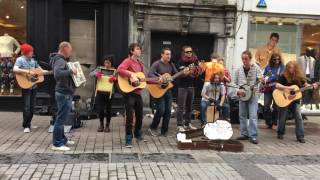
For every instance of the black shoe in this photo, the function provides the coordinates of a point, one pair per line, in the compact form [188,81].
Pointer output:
[280,136]
[301,140]
[254,141]
[241,138]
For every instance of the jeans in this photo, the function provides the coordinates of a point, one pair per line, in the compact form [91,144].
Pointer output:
[28,104]
[283,112]
[271,117]
[104,104]
[223,114]
[163,110]
[133,102]
[64,104]
[185,101]
[249,108]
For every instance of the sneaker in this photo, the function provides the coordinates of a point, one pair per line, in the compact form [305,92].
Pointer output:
[70,142]
[242,138]
[254,141]
[190,127]
[26,130]
[61,148]
[181,129]
[152,133]
[129,145]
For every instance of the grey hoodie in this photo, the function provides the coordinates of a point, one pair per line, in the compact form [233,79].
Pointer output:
[62,75]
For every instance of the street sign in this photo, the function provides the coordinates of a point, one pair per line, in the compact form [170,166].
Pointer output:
[262,4]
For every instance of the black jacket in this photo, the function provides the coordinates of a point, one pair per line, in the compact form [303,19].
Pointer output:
[62,75]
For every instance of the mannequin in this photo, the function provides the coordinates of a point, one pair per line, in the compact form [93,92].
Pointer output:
[7,45]
[307,64]
[7,53]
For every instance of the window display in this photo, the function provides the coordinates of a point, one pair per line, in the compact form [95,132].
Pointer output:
[259,36]
[12,34]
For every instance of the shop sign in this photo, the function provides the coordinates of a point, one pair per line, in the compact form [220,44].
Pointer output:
[262,4]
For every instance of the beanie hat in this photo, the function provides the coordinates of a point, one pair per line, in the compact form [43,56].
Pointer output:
[26,48]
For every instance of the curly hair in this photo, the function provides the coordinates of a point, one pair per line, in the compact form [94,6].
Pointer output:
[295,77]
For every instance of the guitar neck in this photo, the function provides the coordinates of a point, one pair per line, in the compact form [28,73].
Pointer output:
[180,73]
[308,87]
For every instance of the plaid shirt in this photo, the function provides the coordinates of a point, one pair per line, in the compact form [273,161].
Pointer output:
[253,77]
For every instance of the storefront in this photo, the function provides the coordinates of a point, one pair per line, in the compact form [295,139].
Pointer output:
[94,27]
[297,24]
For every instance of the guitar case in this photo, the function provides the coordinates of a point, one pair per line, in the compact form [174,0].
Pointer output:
[200,142]
[218,145]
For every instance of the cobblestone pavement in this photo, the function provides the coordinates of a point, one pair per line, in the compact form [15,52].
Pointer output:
[103,155]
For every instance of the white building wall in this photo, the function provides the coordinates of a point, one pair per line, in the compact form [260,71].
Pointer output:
[246,7]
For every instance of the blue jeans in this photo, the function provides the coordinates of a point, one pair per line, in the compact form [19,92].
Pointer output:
[28,104]
[249,108]
[163,109]
[283,112]
[203,111]
[64,103]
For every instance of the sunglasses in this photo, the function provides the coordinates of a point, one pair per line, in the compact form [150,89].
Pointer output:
[276,59]
[187,52]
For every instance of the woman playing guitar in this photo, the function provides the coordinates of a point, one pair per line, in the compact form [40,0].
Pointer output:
[292,75]
[271,73]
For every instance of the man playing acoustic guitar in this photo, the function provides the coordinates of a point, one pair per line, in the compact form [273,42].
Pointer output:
[292,75]
[163,104]
[133,100]
[25,64]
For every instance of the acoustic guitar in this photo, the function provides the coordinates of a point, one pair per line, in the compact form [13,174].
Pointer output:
[284,98]
[27,80]
[157,90]
[126,86]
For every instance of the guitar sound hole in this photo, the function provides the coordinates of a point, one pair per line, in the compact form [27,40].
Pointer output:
[292,93]
[163,86]
[134,84]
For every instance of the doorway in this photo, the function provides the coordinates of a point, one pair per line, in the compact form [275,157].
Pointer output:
[202,44]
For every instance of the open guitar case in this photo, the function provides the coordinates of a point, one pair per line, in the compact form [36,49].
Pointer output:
[200,142]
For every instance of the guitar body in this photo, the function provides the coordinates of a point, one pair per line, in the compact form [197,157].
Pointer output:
[26,81]
[126,86]
[284,98]
[157,91]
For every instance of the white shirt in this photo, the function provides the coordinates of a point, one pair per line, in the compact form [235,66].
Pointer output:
[308,65]
[7,45]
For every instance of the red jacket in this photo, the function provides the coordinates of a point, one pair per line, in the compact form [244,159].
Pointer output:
[129,64]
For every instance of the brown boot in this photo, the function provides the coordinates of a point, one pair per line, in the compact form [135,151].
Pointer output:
[107,129]
[100,128]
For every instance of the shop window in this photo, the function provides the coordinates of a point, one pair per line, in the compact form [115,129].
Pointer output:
[311,38]
[259,36]
[12,34]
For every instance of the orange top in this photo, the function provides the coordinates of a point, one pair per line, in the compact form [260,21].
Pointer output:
[211,68]
[263,55]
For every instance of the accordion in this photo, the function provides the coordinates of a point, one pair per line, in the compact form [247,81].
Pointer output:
[79,78]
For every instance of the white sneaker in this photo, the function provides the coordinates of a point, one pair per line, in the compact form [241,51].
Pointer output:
[61,148]
[152,133]
[181,129]
[70,142]
[190,127]
[26,130]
